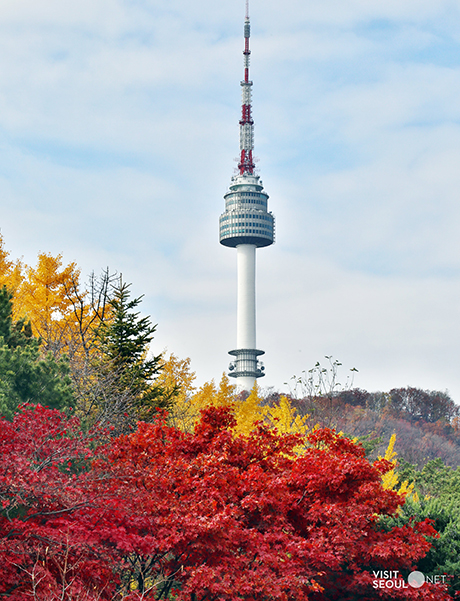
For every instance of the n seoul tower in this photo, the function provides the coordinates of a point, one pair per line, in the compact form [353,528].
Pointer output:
[246,224]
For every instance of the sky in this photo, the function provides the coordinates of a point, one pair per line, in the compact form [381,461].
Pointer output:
[118,138]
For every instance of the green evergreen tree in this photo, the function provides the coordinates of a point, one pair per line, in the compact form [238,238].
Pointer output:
[124,347]
[438,499]
[25,376]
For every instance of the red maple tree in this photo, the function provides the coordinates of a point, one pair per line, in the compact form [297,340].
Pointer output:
[244,517]
[195,517]
[51,536]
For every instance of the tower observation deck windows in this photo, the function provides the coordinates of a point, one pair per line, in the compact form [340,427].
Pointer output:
[246,219]
[258,198]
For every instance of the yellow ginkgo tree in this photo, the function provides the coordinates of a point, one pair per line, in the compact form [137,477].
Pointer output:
[46,297]
[285,418]
[390,480]
[249,409]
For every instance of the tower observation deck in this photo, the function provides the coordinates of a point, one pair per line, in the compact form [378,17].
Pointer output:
[246,224]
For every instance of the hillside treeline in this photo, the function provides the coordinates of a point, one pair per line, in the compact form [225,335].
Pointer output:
[426,423]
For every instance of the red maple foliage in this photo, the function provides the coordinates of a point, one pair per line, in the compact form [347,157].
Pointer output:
[225,517]
[194,517]
[50,547]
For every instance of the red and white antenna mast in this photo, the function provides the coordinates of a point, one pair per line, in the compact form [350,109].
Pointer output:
[246,164]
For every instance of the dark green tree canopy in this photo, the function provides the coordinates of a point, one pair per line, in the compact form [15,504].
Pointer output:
[438,498]
[25,376]
[13,334]
[125,338]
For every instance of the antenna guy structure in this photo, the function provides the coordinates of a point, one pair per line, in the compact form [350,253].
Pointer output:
[246,224]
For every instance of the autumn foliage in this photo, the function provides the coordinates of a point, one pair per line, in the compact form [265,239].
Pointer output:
[49,547]
[162,513]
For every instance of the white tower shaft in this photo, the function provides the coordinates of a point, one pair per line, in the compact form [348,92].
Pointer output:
[246,307]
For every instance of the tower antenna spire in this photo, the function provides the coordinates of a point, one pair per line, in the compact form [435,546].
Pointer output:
[246,224]
[246,164]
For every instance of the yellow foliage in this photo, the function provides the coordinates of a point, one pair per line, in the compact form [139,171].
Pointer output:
[285,419]
[49,295]
[205,395]
[45,298]
[390,453]
[390,480]
[190,402]
[176,373]
[225,393]
[43,295]
[248,412]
